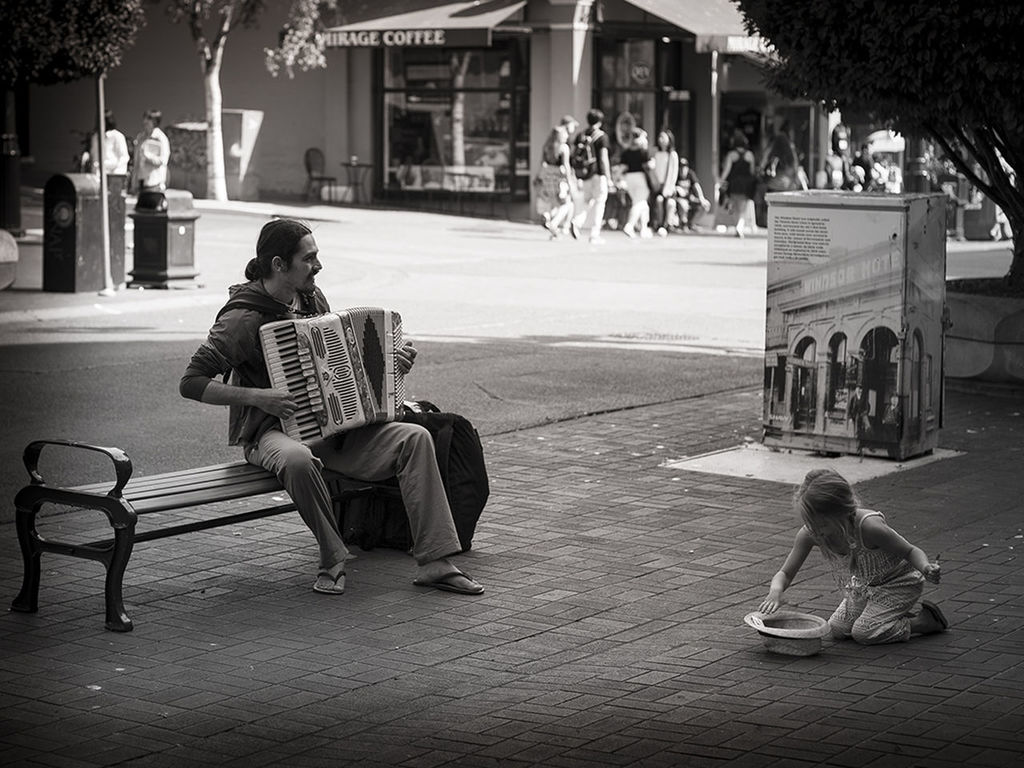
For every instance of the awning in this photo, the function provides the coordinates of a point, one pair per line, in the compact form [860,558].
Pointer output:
[716,24]
[451,24]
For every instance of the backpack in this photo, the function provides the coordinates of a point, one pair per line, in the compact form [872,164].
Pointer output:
[584,157]
[381,521]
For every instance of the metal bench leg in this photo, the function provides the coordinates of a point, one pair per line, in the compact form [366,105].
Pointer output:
[27,600]
[117,617]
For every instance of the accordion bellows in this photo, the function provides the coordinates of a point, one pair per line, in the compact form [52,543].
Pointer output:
[340,368]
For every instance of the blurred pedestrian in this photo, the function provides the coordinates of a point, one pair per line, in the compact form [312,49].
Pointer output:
[739,182]
[780,167]
[591,164]
[881,574]
[862,160]
[556,179]
[637,160]
[115,147]
[152,153]
[689,196]
[663,180]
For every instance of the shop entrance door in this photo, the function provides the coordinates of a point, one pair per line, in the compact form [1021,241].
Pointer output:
[804,395]
[879,372]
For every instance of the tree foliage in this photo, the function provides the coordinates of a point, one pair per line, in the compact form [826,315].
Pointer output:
[301,42]
[210,22]
[56,41]
[948,69]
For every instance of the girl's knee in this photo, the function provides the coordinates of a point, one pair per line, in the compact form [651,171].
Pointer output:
[877,634]
[840,630]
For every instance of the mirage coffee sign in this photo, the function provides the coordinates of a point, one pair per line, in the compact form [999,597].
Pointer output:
[407,38]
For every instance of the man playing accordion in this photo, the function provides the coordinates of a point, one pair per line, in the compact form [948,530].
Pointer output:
[281,284]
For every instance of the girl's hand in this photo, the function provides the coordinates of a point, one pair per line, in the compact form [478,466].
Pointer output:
[772,603]
[932,572]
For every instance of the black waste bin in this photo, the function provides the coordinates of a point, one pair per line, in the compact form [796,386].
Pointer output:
[73,235]
[979,219]
[165,238]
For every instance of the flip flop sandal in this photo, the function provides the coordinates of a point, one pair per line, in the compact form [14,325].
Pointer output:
[936,613]
[325,586]
[450,583]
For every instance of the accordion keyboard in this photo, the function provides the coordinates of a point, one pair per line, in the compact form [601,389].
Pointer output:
[291,364]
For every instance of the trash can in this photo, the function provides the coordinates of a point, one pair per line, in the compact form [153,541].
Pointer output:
[979,218]
[73,236]
[165,235]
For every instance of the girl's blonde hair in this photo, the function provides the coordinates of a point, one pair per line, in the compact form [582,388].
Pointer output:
[827,503]
[551,151]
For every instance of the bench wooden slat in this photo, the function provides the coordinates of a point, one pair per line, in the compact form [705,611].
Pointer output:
[151,490]
[220,473]
[178,490]
[194,498]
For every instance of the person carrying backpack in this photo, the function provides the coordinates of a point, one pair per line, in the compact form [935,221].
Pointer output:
[590,163]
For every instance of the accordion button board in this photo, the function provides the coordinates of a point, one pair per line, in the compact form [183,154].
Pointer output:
[340,369]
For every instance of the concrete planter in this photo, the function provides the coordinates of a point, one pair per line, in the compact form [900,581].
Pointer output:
[986,339]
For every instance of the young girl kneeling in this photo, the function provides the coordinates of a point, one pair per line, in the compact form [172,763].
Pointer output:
[881,574]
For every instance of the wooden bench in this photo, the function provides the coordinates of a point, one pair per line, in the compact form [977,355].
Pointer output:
[130,498]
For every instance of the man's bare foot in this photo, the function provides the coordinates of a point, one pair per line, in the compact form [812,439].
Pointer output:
[443,574]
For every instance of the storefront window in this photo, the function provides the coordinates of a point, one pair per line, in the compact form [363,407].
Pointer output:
[457,119]
[638,86]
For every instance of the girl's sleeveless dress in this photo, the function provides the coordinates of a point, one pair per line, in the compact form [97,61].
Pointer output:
[881,590]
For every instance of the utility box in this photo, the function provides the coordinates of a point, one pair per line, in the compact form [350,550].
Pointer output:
[855,322]
[165,240]
[73,235]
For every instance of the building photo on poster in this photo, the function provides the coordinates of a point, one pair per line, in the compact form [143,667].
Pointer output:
[854,323]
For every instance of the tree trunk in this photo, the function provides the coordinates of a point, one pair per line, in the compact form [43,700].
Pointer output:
[459,66]
[1016,274]
[216,187]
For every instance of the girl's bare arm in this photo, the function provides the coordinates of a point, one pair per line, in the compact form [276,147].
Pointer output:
[802,546]
[878,535]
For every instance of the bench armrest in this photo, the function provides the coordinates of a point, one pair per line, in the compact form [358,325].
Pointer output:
[122,464]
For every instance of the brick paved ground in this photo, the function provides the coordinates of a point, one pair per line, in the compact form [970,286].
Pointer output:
[610,634]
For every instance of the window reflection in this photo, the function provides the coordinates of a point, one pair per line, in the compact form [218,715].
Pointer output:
[457,119]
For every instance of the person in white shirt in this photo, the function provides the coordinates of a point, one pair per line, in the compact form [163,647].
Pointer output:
[152,153]
[115,148]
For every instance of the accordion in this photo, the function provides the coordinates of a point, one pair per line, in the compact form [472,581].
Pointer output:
[339,367]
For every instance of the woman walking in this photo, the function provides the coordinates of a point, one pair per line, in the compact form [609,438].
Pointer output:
[638,165]
[556,181]
[739,182]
